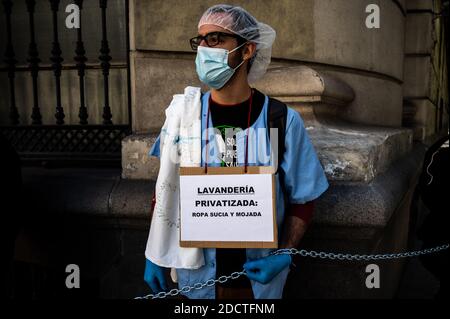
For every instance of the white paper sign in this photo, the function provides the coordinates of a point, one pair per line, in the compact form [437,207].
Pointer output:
[228,208]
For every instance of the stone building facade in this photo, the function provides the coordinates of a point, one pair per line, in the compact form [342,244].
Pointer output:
[373,100]
[370,97]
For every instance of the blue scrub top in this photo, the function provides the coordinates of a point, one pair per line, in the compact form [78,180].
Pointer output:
[304,180]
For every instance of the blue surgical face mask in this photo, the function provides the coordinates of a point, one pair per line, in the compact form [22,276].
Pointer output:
[212,66]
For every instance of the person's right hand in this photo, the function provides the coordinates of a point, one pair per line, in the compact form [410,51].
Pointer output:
[154,277]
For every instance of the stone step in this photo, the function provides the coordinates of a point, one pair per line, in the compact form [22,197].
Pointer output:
[358,154]
[347,153]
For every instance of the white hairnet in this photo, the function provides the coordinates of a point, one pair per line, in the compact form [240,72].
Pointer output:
[238,21]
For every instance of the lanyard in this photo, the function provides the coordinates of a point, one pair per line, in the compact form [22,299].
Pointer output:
[246,136]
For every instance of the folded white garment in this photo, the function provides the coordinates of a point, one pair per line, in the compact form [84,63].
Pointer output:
[180,144]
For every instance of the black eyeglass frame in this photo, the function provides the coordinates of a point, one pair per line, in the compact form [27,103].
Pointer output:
[219,34]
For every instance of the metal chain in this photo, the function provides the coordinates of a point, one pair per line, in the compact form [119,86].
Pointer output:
[209,283]
[324,255]
[292,251]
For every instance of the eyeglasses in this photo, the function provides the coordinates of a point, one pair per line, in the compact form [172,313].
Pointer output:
[212,39]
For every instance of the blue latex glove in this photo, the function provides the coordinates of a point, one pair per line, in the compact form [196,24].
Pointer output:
[265,269]
[154,277]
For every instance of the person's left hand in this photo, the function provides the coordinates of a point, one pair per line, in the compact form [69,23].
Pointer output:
[263,270]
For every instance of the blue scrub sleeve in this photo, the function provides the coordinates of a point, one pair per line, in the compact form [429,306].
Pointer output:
[304,178]
[154,151]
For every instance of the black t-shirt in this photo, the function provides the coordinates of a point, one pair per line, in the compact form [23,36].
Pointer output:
[230,119]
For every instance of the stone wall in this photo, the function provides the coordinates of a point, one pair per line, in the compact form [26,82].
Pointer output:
[349,84]
[425,77]
[324,34]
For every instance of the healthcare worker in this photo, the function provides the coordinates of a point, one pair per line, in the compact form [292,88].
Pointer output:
[233,51]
